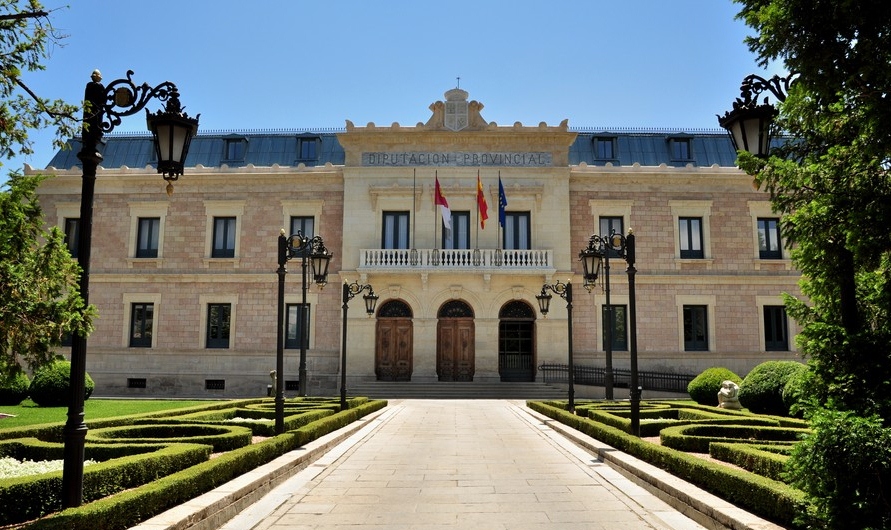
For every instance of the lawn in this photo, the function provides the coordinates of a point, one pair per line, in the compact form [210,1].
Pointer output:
[28,413]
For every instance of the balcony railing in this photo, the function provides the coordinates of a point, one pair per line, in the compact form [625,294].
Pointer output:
[449,260]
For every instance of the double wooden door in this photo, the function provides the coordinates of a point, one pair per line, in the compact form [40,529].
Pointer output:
[455,352]
[393,351]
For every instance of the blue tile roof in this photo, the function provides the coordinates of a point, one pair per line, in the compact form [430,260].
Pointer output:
[647,147]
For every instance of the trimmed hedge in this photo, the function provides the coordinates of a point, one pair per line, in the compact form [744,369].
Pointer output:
[130,507]
[220,437]
[53,432]
[765,460]
[44,492]
[762,389]
[696,438]
[51,386]
[294,418]
[768,498]
[14,388]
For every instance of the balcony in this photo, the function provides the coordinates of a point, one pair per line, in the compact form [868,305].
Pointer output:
[490,261]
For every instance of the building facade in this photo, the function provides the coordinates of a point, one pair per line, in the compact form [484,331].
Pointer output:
[186,285]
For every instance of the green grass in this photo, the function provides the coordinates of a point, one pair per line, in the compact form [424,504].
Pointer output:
[28,413]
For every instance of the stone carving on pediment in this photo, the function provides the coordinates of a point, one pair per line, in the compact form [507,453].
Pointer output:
[456,113]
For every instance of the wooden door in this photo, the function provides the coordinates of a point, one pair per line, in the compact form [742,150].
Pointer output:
[455,351]
[393,351]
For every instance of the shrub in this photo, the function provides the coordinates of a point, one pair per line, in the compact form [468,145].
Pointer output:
[844,468]
[704,388]
[798,386]
[13,387]
[51,385]
[762,389]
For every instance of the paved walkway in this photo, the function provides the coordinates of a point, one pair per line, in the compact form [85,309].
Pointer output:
[482,464]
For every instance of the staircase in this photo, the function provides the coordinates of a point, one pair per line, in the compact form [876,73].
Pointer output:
[455,390]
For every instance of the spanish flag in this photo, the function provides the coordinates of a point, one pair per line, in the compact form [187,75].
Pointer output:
[481,202]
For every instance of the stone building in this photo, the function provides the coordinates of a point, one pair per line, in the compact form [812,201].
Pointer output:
[186,285]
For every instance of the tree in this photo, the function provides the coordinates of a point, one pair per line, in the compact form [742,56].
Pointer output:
[830,181]
[25,31]
[40,299]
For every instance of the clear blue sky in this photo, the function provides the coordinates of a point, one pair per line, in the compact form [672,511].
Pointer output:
[296,64]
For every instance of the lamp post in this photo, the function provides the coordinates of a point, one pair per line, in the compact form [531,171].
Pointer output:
[296,245]
[599,248]
[749,123]
[350,290]
[564,291]
[172,132]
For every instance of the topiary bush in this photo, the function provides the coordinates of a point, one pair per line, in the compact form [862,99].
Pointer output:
[13,387]
[704,388]
[762,389]
[51,385]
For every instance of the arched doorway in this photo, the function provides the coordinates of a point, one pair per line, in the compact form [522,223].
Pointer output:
[393,351]
[516,341]
[455,337]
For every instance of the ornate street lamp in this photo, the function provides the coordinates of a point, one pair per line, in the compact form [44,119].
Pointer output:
[313,249]
[750,123]
[350,290]
[564,291]
[104,108]
[599,248]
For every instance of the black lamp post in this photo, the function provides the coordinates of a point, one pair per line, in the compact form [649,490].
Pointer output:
[599,248]
[172,130]
[313,248]
[564,291]
[749,123]
[593,257]
[350,290]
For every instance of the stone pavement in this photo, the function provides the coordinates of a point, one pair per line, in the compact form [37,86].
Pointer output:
[476,464]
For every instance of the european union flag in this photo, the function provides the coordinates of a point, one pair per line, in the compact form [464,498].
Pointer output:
[502,202]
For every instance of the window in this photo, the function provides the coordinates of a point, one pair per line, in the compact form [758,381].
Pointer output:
[214,384]
[142,318]
[517,231]
[218,325]
[690,229]
[395,234]
[459,236]
[308,148]
[776,332]
[223,237]
[680,149]
[72,235]
[306,226]
[147,237]
[234,149]
[695,328]
[303,224]
[769,238]
[604,148]
[608,225]
[619,330]
[295,326]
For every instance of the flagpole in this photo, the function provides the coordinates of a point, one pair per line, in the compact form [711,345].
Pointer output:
[498,239]
[413,253]
[478,214]
[435,216]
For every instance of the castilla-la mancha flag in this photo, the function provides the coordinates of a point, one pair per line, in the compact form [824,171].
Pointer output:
[440,200]
[481,202]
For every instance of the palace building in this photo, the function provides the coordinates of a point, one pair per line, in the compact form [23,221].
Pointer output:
[186,285]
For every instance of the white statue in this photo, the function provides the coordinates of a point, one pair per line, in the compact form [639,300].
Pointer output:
[728,396]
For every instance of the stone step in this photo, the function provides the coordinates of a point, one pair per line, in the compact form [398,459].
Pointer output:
[455,390]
